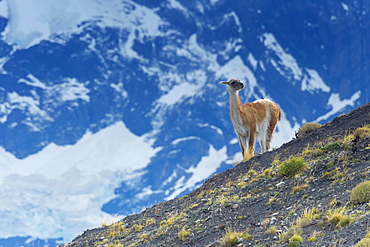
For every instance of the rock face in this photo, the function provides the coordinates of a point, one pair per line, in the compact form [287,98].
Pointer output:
[260,204]
[156,66]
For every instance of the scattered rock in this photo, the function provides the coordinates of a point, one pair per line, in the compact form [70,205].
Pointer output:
[260,202]
[265,223]
[214,244]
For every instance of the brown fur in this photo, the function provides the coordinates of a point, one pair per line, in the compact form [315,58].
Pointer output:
[251,120]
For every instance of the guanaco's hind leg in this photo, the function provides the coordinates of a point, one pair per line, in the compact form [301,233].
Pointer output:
[242,143]
[276,115]
[263,144]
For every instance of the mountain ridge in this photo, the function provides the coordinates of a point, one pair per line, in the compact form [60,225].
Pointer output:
[253,198]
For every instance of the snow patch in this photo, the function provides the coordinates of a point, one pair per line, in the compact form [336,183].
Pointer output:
[26,28]
[218,130]
[176,86]
[70,90]
[33,81]
[312,81]
[286,64]
[213,2]
[29,105]
[147,191]
[120,89]
[176,5]
[285,131]
[234,141]
[345,6]
[184,139]
[288,67]
[207,166]
[236,68]
[179,92]
[337,104]
[4,11]
[252,61]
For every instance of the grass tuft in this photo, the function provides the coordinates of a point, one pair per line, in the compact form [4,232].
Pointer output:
[295,240]
[183,234]
[331,147]
[308,128]
[339,217]
[272,230]
[362,133]
[292,167]
[232,237]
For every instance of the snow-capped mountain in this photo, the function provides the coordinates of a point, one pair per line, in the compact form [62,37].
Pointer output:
[107,107]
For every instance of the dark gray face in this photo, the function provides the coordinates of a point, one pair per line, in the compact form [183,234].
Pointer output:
[235,84]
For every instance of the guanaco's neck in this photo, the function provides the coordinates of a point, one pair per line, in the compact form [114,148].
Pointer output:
[235,106]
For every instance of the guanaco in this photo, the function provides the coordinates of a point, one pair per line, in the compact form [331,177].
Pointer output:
[256,120]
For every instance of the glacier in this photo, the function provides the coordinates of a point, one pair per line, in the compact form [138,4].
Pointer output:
[60,190]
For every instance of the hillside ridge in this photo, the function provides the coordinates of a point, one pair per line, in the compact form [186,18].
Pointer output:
[262,204]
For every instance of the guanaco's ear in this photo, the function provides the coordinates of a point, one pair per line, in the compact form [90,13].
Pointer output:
[225,82]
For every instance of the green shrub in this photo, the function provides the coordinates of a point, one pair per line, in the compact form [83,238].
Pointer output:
[344,221]
[251,173]
[311,239]
[361,193]
[308,128]
[292,167]
[296,240]
[365,242]
[331,147]
[330,164]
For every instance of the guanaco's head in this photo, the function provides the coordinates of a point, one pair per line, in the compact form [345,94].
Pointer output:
[234,84]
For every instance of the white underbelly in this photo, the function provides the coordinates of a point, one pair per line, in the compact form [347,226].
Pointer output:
[241,129]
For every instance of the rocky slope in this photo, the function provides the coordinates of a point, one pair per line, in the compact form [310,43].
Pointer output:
[265,201]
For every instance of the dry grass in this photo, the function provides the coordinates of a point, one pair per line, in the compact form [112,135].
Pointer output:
[361,133]
[233,237]
[183,233]
[339,217]
[308,128]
